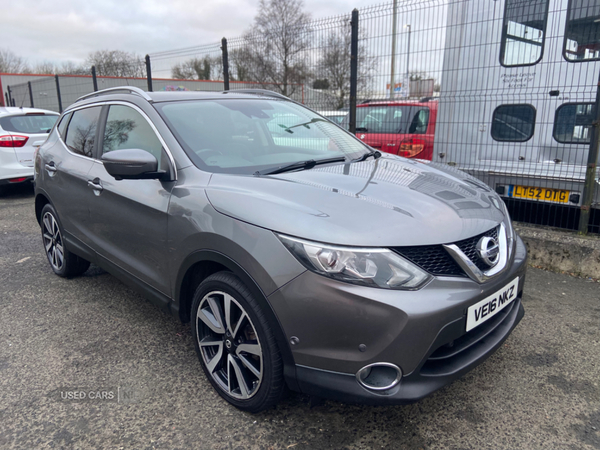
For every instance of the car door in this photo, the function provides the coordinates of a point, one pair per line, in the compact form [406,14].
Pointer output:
[129,217]
[68,157]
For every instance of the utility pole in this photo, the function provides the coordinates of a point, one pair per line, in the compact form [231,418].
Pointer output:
[407,63]
[393,75]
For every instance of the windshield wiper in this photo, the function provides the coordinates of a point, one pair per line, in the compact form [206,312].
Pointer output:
[300,165]
[305,124]
[375,154]
[362,129]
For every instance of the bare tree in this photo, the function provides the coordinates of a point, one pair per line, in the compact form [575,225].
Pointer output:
[116,63]
[11,63]
[334,64]
[45,67]
[71,68]
[207,68]
[275,53]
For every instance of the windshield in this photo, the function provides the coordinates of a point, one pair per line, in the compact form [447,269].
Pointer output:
[248,135]
[388,119]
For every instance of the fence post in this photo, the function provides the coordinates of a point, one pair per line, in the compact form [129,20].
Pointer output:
[30,94]
[7,102]
[58,94]
[9,96]
[225,64]
[353,70]
[94,79]
[149,73]
[589,187]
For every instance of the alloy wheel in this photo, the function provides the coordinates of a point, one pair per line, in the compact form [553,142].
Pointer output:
[229,345]
[53,242]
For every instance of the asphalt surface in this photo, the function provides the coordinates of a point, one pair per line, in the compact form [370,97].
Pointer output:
[541,390]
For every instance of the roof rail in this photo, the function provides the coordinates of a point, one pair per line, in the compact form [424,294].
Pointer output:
[130,89]
[264,92]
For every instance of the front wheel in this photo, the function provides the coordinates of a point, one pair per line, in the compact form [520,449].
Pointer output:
[235,344]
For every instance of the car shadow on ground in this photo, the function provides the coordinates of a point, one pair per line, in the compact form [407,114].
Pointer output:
[16,191]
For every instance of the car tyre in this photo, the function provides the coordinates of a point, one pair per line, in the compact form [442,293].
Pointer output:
[235,344]
[63,262]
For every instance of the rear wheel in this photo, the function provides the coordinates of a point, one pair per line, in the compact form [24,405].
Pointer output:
[235,344]
[63,262]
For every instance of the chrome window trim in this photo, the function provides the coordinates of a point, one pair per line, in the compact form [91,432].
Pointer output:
[471,269]
[144,115]
[60,138]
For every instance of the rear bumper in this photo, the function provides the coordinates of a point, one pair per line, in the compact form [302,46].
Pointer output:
[440,367]
[11,180]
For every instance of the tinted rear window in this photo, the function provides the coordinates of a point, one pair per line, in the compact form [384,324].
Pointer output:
[388,119]
[38,123]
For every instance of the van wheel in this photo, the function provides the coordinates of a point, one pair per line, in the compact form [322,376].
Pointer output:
[235,344]
[63,262]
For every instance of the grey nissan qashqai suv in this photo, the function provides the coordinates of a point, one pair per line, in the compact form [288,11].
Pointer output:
[300,256]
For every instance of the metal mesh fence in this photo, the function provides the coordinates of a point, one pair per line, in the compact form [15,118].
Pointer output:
[504,90]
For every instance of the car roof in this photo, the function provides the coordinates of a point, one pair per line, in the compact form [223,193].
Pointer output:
[430,102]
[14,111]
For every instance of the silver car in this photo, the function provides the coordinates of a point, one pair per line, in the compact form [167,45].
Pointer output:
[300,256]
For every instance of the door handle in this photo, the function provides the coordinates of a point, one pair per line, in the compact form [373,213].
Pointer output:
[95,185]
[50,167]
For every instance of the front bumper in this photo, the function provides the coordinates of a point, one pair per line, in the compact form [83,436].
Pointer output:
[341,328]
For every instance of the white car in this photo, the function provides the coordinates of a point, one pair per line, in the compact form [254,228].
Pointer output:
[22,130]
[335,116]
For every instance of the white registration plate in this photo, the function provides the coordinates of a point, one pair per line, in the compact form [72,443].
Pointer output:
[492,305]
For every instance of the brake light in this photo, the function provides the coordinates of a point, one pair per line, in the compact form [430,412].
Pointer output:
[13,141]
[17,180]
[411,147]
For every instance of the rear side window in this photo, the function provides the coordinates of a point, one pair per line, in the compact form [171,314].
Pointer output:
[62,126]
[419,122]
[29,123]
[523,32]
[573,123]
[391,119]
[582,33]
[127,129]
[514,123]
[81,131]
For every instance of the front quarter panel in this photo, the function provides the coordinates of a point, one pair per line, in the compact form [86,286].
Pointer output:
[194,225]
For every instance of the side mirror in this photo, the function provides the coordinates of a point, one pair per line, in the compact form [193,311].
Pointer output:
[132,164]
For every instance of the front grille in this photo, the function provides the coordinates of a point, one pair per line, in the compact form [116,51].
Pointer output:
[433,259]
[469,248]
[437,261]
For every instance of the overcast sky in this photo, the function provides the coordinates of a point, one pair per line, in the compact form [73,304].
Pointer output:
[68,30]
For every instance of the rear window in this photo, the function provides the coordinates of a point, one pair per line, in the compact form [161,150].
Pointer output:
[514,123]
[391,119]
[573,123]
[29,123]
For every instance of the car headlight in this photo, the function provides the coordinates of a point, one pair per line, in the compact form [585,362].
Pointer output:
[374,267]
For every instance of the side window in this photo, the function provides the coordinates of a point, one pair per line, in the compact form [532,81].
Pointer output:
[523,32]
[582,33]
[573,123]
[81,131]
[127,129]
[513,123]
[419,122]
[62,126]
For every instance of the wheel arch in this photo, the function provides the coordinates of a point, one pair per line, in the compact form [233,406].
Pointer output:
[41,200]
[203,263]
